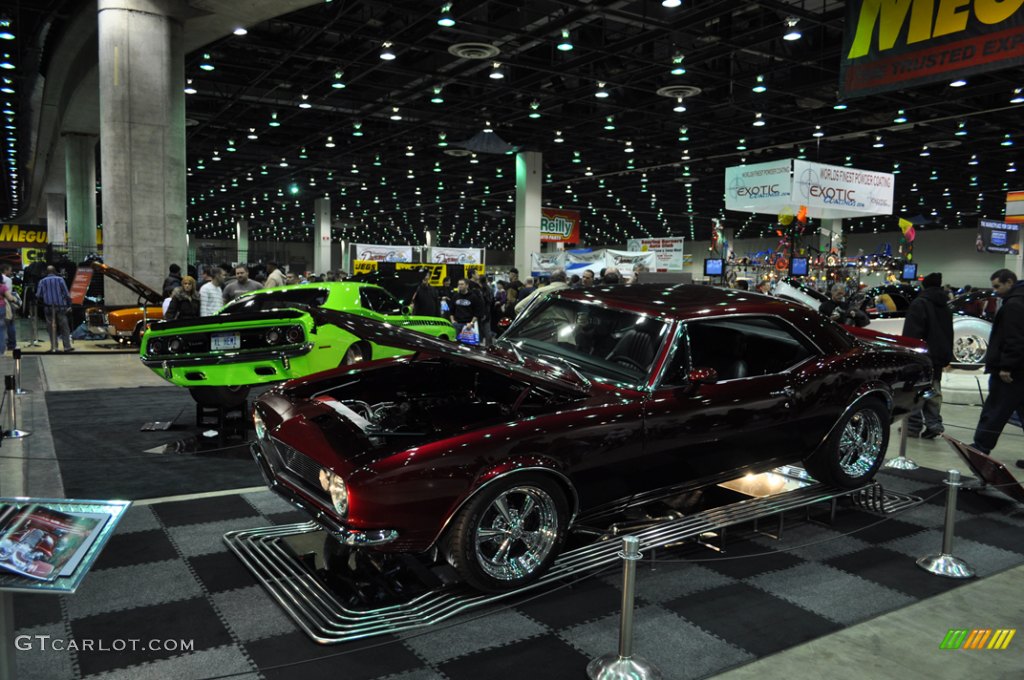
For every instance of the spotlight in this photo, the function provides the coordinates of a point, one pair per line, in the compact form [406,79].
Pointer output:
[879,144]
[437,98]
[680,107]
[759,121]
[446,19]
[671,4]
[497,73]
[1018,96]
[792,32]
[958,83]
[534,105]
[901,117]
[274,122]
[565,44]
[840,106]
[338,83]
[759,86]
[395,115]
[189,89]
[609,123]
[677,64]
[818,132]
[601,92]
[386,53]
[558,137]
[241,30]
[205,64]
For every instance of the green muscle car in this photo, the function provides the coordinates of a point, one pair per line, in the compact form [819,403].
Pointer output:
[274,334]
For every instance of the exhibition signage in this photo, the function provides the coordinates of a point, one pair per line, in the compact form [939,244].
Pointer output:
[383,253]
[79,287]
[561,226]
[542,264]
[1015,207]
[1002,238]
[825,191]
[667,251]
[899,44]
[364,266]
[22,235]
[456,255]
[437,271]
[626,260]
[760,187]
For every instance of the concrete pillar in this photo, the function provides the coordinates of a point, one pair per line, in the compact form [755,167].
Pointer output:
[80,184]
[142,137]
[55,216]
[529,174]
[242,241]
[345,264]
[322,235]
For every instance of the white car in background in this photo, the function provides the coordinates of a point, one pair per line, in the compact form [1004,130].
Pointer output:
[972,316]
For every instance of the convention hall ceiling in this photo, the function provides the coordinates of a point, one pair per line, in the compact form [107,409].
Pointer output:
[636,122]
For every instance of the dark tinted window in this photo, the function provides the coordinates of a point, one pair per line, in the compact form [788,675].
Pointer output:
[380,301]
[298,296]
[746,347]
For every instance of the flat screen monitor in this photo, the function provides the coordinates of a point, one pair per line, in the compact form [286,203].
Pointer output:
[713,266]
[909,272]
[798,266]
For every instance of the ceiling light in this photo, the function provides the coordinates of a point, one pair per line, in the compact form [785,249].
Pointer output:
[446,19]
[441,139]
[395,115]
[601,92]
[680,107]
[338,83]
[386,53]
[497,73]
[677,64]
[1006,140]
[189,89]
[758,120]
[241,30]
[558,137]
[565,44]
[231,146]
[684,134]
[609,123]
[205,64]
[629,147]
[818,132]
[961,130]
[1018,96]
[302,153]
[357,129]
[274,122]
[925,152]
[409,152]
[879,144]
[487,126]
[5,30]
[252,134]
[840,106]
[534,105]
[304,104]
[671,4]
[759,85]
[437,98]
[742,145]
[330,142]
[792,32]
[5,63]
[901,117]
[960,82]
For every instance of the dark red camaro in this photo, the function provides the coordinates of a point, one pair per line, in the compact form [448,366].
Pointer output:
[593,400]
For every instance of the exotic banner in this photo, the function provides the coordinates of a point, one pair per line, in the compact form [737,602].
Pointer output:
[383,253]
[559,226]
[1001,238]
[899,44]
[759,187]
[456,255]
[837,191]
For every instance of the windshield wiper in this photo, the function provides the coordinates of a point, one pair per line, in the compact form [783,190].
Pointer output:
[512,346]
[565,362]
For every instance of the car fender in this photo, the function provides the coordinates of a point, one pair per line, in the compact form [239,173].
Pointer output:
[867,390]
[509,467]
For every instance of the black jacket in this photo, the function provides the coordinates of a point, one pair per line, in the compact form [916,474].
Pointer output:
[1006,343]
[182,306]
[170,283]
[466,306]
[929,319]
[840,312]
[425,301]
[486,296]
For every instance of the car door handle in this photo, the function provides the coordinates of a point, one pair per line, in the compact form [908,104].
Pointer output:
[784,392]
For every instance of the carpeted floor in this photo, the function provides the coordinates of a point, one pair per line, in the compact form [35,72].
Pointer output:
[167,575]
[103,454]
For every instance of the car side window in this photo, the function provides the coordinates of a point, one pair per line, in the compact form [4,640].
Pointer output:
[746,347]
[379,301]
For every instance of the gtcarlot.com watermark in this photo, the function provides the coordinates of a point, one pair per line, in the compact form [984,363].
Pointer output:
[46,643]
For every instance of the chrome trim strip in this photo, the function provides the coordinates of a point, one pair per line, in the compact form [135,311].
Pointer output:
[229,357]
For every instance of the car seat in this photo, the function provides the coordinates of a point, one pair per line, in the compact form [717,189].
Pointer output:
[635,349]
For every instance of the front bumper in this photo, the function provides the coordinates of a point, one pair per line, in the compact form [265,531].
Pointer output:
[286,486]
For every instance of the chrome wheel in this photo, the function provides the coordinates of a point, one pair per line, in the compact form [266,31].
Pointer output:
[861,442]
[969,349]
[516,533]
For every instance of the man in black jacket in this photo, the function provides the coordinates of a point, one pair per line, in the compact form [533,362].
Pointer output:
[1004,361]
[929,319]
[466,307]
[480,285]
[425,301]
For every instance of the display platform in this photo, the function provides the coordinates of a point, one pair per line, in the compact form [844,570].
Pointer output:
[340,596]
[167,574]
[103,452]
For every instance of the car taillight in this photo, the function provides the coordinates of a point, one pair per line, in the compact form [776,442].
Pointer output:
[156,347]
[293,334]
[176,345]
[273,336]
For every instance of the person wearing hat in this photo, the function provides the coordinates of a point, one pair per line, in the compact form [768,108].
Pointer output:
[929,319]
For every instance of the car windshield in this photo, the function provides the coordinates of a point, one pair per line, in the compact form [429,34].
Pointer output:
[600,342]
[299,296]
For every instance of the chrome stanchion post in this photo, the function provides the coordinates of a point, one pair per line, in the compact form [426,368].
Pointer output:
[17,373]
[12,411]
[625,666]
[945,563]
[901,462]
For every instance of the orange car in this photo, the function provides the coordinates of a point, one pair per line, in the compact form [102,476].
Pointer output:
[125,323]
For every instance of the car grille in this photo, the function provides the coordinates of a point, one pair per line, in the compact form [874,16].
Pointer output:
[300,466]
[97,319]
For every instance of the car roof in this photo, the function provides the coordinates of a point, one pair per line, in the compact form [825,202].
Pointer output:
[681,301]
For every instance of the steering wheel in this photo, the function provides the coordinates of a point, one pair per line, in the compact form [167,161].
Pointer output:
[627,361]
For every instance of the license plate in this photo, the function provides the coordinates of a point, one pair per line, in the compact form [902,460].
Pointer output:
[219,341]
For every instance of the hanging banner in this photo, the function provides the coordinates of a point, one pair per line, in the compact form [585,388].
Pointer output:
[760,187]
[584,256]
[383,253]
[1015,207]
[668,251]
[626,261]
[837,191]
[559,226]
[1002,238]
[899,45]
[437,271]
[364,266]
[456,256]
[80,285]
[542,264]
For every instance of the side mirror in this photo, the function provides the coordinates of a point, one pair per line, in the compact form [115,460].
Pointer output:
[700,376]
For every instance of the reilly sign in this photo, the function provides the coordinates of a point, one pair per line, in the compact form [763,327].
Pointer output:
[559,226]
[896,44]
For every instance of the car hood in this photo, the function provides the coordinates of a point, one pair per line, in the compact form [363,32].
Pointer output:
[129,282]
[505,361]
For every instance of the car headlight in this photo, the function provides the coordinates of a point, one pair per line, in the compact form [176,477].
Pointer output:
[259,425]
[335,485]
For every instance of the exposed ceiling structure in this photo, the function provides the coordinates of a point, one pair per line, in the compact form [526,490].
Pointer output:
[636,122]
